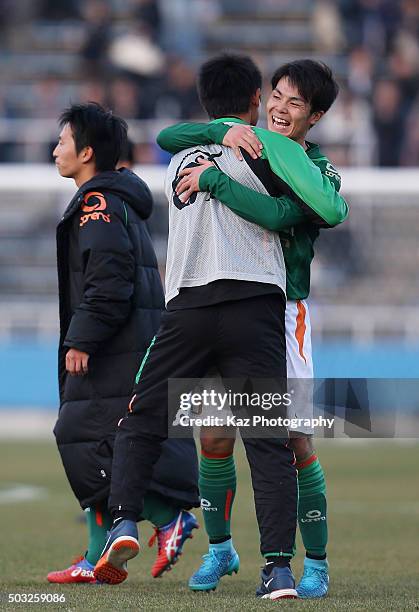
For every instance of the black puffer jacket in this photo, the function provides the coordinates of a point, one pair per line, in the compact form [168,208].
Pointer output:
[110,304]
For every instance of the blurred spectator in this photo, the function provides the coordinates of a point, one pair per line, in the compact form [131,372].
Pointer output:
[347,131]
[389,122]
[126,159]
[327,26]
[185,23]
[179,99]
[410,153]
[145,153]
[134,51]
[360,71]
[8,150]
[140,56]
[47,98]
[123,98]
[93,91]
[404,68]
[129,100]
[59,9]
[97,14]
[7,17]
[148,14]
[370,23]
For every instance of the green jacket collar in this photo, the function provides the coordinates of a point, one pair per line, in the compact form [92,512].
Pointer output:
[229,119]
[313,149]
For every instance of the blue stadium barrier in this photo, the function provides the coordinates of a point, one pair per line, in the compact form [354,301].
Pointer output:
[28,371]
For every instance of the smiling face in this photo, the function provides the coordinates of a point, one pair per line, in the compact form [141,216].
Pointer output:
[288,113]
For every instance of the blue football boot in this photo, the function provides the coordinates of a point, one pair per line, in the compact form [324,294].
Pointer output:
[315,579]
[279,584]
[220,561]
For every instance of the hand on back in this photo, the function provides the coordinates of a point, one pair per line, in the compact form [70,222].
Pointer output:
[189,182]
[241,136]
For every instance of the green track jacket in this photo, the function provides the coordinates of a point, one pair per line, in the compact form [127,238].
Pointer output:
[309,174]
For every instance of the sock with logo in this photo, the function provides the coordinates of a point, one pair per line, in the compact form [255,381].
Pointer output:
[217,487]
[99,522]
[158,509]
[275,561]
[312,507]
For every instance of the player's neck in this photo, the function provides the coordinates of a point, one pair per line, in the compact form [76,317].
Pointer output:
[84,175]
[302,142]
[246,117]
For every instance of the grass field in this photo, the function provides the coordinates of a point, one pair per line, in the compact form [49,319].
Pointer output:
[374,538]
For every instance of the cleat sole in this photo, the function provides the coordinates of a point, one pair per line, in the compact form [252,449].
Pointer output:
[109,574]
[281,594]
[211,590]
[202,589]
[111,567]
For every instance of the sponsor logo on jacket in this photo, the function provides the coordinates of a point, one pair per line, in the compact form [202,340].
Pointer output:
[93,204]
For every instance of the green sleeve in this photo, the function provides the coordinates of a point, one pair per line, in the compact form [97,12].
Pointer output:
[327,169]
[290,162]
[184,135]
[271,213]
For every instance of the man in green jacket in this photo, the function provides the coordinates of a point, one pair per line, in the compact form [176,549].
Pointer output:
[302,92]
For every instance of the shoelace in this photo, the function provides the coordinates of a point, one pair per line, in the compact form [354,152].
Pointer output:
[311,572]
[207,564]
[157,535]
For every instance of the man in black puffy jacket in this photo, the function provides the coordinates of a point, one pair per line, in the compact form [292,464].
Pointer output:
[110,304]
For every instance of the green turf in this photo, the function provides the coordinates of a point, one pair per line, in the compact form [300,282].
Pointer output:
[374,538]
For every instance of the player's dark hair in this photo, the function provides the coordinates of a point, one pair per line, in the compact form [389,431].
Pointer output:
[226,84]
[314,81]
[127,152]
[93,126]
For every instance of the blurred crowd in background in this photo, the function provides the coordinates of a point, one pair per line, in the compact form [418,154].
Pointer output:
[139,57]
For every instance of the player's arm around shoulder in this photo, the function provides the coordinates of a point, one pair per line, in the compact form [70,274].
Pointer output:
[320,198]
[181,136]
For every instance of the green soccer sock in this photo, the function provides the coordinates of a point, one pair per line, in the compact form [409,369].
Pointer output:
[99,522]
[312,507]
[158,509]
[217,487]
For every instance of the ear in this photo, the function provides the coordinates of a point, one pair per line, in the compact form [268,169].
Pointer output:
[315,117]
[256,98]
[87,155]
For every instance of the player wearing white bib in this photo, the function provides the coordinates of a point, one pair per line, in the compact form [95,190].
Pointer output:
[302,92]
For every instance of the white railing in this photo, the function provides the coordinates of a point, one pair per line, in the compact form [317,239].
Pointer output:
[367,189]
[360,324]
[355,181]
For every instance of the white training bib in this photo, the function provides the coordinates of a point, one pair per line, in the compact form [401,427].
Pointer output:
[207,241]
